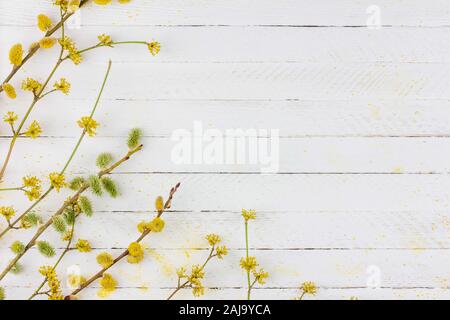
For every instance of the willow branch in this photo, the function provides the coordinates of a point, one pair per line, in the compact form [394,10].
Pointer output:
[72,200]
[99,274]
[35,49]
[69,160]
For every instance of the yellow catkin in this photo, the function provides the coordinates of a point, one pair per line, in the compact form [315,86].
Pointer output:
[16,54]
[9,90]
[47,42]
[102,2]
[44,23]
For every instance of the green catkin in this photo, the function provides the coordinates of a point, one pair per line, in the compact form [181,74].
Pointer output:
[134,138]
[33,219]
[104,160]
[2,294]
[46,249]
[18,268]
[69,216]
[85,206]
[95,184]
[59,224]
[110,186]
[17,247]
[77,183]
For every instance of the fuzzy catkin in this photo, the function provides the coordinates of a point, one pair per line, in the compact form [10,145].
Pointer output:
[46,249]
[134,138]
[110,187]
[85,206]
[95,184]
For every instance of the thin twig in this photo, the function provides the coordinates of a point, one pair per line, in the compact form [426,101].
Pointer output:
[35,49]
[69,160]
[99,274]
[61,210]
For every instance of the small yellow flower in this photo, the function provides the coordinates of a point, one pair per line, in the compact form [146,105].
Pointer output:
[105,259]
[181,272]
[47,42]
[44,23]
[249,263]
[108,282]
[83,245]
[261,276]
[10,117]
[16,54]
[73,6]
[102,2]
[154,48]
[309,287]
[62,85]
[196,273]
[57,180]
[213,239]
[33,193]
[157,224]
[221,252]
[9,90]
[105,39]
[31,182]
[7,212]
[34,130]
[198,291]
[67,235]
[88,124]
[30,84]
[248,214]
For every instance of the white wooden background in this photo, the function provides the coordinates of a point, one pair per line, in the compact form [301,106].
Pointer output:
[365,124]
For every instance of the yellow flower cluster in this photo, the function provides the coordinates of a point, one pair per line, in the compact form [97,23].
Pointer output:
[32,85]
[10,117]
[249,263]
[68,5]
[57,180]
[7,212]
[108,284]
[261,276]
[9,90]
[88,124]
[62,85]
[33,187]
[16,54]
[197,274]
[135,253]
[248,214]
[154,47]
[105,40]
[47,42]
[213,239]
[69,45]
[34,130]
[53,282]
[105,260]
[83,245]
[44,23]
[309,287]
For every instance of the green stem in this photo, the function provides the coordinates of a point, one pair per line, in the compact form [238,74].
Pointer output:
[12,189]
[83,134]
[247,255]
[100,45]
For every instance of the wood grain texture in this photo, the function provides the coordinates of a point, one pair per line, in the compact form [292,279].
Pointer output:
[363,117]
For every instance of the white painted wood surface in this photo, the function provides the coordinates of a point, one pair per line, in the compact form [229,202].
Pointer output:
[364,124]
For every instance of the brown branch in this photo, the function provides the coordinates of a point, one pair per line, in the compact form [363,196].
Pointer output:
[66,204]
[99,274]
[35,49]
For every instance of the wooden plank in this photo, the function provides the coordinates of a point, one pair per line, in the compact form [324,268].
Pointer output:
[320,155]
[334,269]
[275,81]
[282,192]
[152,293]
[243,13]
[306,230]
[255,44]
[295,119]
